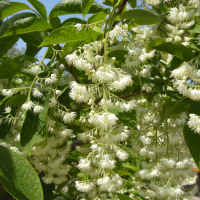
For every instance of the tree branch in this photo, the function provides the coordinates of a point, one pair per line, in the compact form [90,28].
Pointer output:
[120,11]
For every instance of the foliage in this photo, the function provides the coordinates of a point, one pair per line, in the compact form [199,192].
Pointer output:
[114,114]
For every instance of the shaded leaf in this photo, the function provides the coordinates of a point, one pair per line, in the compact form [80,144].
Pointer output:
[86,5]
[123,196]
[66,7]
[101,16]
[34,126]
[9,8]
[192,139]
[39,7]
[55,22]
[48,190]
[6,43]
[18,177]
[140,17]
[154,42]
[133,3]
[11,66]
[118,54]
[69,34]
[177,50]
[27,25]
[17,100]
[195,29]
[72,21]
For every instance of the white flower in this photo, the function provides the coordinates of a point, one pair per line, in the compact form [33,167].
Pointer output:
[105,120]
[84,186]
[122,155]
[7,109]
[78,27]
[69,117]
[37,93]
[27,106]
[37,109]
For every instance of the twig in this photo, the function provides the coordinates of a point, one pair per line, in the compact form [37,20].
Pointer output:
[120,11]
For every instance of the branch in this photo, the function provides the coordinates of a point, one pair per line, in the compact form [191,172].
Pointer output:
[75,77]
[69,67]
[120,11]
[131,95]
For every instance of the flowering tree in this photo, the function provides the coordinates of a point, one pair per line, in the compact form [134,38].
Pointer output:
[114,114]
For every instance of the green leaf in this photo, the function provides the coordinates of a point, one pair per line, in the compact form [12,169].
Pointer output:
[155,71]
[11,66]
[123,173]
[17,100]
[71,47]
[195,29]
[69,34]
[175,63]
[154,42]
[123,196]
[18,177]
[67,7]
[133,3]
[86,5]
[6,43]
[34,126]
[140,17]
[118,54]
[9,22]
[177,50]
[192,139]
[31,50]
[101,16]
[27,25]
[127,118]
[39,7]
[130,167]
[9,8]
[55,22]
[33,40]
[72,21]
[48,191]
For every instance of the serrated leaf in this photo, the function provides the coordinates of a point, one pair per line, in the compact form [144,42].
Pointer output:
[67,7]
[17,100]
[86,5]
[6,43]
[177,50]
[192,139]
[34,126]
[27,25]
[9,8]
[69,34]
[140,17]
[39,7]
[18,177]
[133,3]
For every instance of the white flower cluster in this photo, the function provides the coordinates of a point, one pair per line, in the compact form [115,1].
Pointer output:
[194,123]
[167,165]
